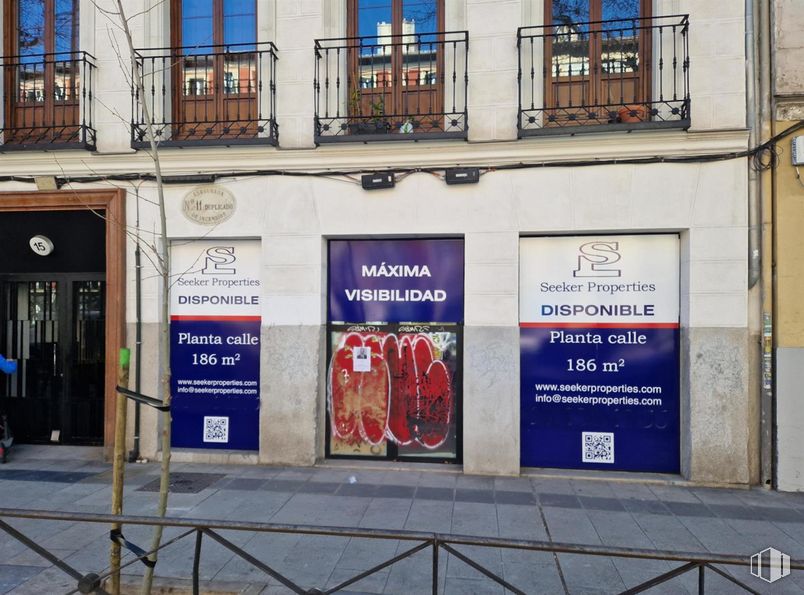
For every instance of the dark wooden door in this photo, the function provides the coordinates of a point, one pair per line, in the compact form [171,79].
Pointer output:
[54,326]
[596,53]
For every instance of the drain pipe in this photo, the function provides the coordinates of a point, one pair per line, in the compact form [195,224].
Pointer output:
[757,45]
[134,455]
[766,196]
[752,105]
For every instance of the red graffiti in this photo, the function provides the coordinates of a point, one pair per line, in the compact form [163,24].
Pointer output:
[406,397]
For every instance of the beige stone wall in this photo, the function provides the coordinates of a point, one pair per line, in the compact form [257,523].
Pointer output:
[788,37]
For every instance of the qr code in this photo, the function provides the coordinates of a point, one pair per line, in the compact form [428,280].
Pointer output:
[598,447]
[216,429]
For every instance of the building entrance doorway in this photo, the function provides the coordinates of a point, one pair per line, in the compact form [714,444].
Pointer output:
[54,326]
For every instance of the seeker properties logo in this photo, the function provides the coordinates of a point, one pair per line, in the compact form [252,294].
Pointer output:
[770,565]
[596,260]
[218,257]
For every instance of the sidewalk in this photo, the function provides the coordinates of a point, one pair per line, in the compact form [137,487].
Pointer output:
[622,513]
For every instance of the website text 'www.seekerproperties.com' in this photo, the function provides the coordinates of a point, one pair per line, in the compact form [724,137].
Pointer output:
[597,394]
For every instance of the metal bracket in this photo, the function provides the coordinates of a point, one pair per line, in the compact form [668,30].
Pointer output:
[145,400]
[116,535]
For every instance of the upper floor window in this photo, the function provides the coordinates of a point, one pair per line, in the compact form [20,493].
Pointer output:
[596,52]
[45,73]
[218,73]
[603,62]
[404,73]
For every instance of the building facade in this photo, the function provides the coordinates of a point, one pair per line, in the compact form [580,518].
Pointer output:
[546,265]
[784,188]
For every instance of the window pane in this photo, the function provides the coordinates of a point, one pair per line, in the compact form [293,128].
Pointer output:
[570,39]
[620,9]
[239,22]
[419,16]
[373,19]
[620,37]
[420,50]
[196,25]
[66,25]
[570,11]
[31,27]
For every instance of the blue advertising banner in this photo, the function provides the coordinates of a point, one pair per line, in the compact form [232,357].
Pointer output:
[215,344]
[396,280]
[599,345]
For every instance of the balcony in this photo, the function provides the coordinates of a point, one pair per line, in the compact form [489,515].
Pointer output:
[48,101]
[602,76]
[391,87]
[207,95]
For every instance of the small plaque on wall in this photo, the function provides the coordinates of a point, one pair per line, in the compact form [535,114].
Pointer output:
[208,205]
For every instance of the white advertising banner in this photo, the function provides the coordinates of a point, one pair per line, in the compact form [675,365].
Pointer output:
[215,278]
[599,279]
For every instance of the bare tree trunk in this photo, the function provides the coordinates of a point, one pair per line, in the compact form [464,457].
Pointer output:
[163,259]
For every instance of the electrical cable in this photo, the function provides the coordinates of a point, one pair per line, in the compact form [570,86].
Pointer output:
[764,156]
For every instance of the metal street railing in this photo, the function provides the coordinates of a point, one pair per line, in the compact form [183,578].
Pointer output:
[696,562]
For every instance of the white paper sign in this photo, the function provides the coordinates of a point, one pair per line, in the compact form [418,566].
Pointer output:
[361,359]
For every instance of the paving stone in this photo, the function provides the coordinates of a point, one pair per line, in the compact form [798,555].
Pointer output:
[12,575]
[520,522]
[668,533]
[374,583]
[559,500]
[428,493]
[473,518]
[570,526]
[359,490]
[386,513]
[475,482]
[470,495]
[598,503]
[438,480]
[319,487]
[430,515]
[520,498]
[618,529]
[689,509]
[394,491]
[645,506]
[587,574]
[248,484]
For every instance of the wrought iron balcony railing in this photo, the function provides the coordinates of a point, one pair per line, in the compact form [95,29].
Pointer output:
[207,95]
[599,76]
[48,101]
[391,87]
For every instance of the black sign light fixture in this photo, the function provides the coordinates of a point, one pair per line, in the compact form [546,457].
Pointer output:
[462,175]
[378,180]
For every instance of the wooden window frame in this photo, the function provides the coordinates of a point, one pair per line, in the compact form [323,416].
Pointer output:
[394,91]
[217,97]
[645,43]
[11,48]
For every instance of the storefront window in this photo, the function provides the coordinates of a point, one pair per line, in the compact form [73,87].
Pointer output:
[394,376]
